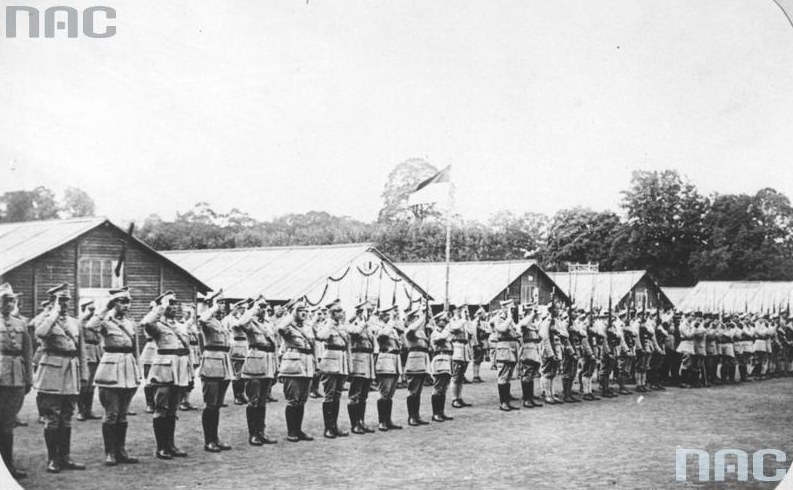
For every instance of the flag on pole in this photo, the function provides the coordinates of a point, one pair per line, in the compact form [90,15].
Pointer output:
[787,8]
[435,190]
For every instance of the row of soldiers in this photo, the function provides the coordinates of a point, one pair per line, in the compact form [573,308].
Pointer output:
[253,345]
[652,348]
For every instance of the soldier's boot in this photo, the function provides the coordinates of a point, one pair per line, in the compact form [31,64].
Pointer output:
[314,390]
[159,424]
[442,406]
[327,417]
[418,412]
[262,418]
[362,418]
[525,387]
[382,415]
[567,397]
[355,426]
[291,430]
[238,387]
[301,410]
[223,446]
[389,406]
[339,432]
[121,444]
[80,417]
[592,396]
[89,404]
[436,410]
[252,417]
[148,393]
[208,425]
[411,413]
[64,450]
[51,439]
[503,399]
[7,452]
[532,398]
[109,438]
[171,433]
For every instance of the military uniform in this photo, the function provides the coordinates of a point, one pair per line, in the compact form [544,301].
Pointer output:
[388,367]
[711,354]
[259,370]
[726,353]
[479,343]
[529,356]
[93,352]
[239,347]
[506,354]
[145,359]
[117,374]
[334,368]
[589,354]
[61,370]
[16,372]
[441,366]
[688,368]
[195,357]
[461,355]
[296,369]
[362,372]
[416,365]
[170,372]
[216,373]
[550,356]
[571,342]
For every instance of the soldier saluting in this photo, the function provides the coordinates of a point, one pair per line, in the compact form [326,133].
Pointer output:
[16,375]
[416,364]
[335,367]
[170,370]
[362,340]
[388,366]
[297,368]
[62,369]
[506,353]
[117,374]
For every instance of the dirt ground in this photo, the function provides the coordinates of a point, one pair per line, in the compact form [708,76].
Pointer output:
[626,442]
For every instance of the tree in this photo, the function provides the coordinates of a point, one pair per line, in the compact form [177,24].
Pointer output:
[403,180]
[77,203]
[581,235]
[664,226]
[38,204]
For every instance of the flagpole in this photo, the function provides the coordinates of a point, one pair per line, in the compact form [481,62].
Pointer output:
[448,242]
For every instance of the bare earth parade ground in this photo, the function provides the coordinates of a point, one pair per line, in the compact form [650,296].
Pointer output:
[626,442]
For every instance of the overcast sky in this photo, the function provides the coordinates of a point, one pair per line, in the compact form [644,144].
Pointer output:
[283,106]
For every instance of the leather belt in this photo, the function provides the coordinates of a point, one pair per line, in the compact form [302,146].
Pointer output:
[335,347]
[62,353]
[302,351]
[118,350]
[417,349]
[92,342]
[459,341]
[193,342]
[263,348]
[11,352]
[362,350]
[448,352]
[508,339]
[240,338]
[173,352]
[217,348]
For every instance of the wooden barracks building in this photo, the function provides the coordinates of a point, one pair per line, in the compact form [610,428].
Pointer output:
[38,255]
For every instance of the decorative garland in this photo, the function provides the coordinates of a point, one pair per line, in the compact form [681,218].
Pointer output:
[342,276]
[324,291]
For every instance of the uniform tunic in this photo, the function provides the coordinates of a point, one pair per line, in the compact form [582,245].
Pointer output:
[389,365]
[441,364]
[170,370]
[530,349]
[506,348]
[298,364]
[16,368]
[261,363]
[215,367]
[335,363]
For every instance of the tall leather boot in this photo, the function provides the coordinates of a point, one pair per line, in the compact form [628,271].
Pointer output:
[262,418]
[121,444]
[389,405]
[251,416]
[291,432]
[160,430]
[206,424]
[417,402]
[7,451]
[148,393]
[352,411]
[411,411]
[221,445]
[171,433]
[382,415]
[109,438]
[301,409]
[327,417]
[525,387]
[81,407]
[238,387]
[64,450]
[509,398]
[51,439]
[442,407]
[532,398]
[339,432]
[362,418]
[503,400]
[436,411]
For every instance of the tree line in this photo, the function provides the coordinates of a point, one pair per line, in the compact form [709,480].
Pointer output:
[664,225]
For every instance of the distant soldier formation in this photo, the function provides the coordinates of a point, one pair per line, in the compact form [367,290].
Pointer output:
[251,345]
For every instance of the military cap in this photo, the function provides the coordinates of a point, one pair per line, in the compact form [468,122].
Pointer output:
[507,303]
[363,305]
[241,303]
[480,311]
[440,316]
[120,293]
[159,298]
[388,310]
[334,305]
[299,305]
[60,291]
[6,291]
[412,313]
[86,303]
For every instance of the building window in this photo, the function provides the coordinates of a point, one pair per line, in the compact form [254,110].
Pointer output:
[99,274]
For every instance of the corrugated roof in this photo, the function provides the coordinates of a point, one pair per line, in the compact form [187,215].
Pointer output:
[581,286]
[474,283]
[280,273]
[24,241]
[738,296]
[677,295]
